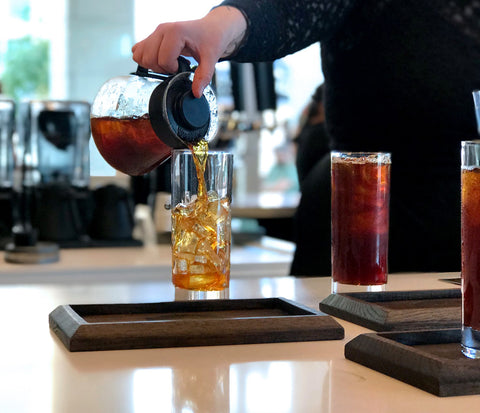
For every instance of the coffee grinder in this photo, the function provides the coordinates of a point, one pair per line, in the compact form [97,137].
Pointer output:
[65,210]
[55,135]
[24,246]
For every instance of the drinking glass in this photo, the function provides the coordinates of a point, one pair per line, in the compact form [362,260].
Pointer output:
[470,218]
[360,219]
[201,220]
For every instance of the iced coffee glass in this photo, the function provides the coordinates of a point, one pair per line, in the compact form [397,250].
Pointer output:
[201,220]
[360,219]
[470,183]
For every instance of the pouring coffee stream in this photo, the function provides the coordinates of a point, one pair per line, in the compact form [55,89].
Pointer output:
[138,119]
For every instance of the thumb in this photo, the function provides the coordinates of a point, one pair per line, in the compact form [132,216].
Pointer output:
[203,76]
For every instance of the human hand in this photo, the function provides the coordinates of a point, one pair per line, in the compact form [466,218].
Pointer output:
[216,35]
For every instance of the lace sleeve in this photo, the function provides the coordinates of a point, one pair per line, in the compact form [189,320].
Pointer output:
[280,27]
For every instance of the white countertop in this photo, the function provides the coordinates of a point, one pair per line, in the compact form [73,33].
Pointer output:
[266,257]
[37,373]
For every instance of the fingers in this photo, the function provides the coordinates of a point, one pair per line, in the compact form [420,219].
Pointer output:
[160,50]
[203,76]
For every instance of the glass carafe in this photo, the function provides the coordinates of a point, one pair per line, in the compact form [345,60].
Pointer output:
[137,120]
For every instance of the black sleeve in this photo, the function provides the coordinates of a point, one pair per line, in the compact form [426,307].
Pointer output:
[280,27]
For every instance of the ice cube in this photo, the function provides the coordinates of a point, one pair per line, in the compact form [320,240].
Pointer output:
[212,196]
[189,258]
[214,209]
[197,269]
[180,266]
[187,243]
[201,259]
[203,231]
[214,258]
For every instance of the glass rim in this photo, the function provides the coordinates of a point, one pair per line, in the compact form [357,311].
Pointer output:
[380,158]
[210,152]
[471,142]
[358,153]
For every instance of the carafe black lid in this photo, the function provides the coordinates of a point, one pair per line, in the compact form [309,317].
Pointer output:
[191,112]
[177,116]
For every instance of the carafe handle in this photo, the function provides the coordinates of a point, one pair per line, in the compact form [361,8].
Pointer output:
[183,66]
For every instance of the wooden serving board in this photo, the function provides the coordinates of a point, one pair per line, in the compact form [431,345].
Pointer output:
[430,360]
[398,310]
[189,323]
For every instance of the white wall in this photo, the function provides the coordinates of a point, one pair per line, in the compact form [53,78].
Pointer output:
[99,39]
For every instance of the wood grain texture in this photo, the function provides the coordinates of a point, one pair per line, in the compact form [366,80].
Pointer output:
[189,323]
[397,310]
[430,360]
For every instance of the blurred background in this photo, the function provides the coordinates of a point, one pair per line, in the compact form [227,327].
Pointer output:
[66,49]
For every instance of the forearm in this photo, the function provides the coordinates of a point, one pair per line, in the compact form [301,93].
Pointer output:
[234,27]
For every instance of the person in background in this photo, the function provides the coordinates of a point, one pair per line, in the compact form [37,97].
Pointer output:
[398,78]
[312,139]
[282,176]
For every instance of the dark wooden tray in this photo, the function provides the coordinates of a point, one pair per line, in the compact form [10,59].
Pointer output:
[398,310]
[189,323]
[430,360]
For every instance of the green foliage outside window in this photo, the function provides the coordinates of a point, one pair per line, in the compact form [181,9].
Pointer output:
[26,73]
